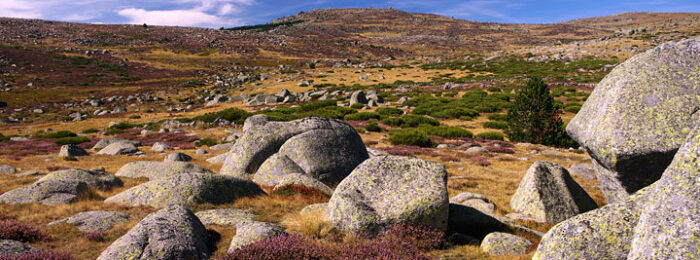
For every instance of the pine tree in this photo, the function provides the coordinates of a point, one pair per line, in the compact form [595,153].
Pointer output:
[535,118]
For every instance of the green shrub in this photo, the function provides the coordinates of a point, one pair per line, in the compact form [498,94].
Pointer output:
[491,135]
[113,131]
[90,131]
[231,114]
[496,124]
[445,131]
[357,106]
[373,127]
[572,107]
[4,138]
[410,137]
[205,141]
[498,117]
[134,117]
[59,134]
[493,89]
[389,111]
[72,140]
[362,116]
[410,121]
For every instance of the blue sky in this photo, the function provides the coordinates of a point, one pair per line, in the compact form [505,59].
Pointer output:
[217,13]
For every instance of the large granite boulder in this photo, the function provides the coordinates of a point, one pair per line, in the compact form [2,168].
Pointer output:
[498,243]
[92,178]
[474,200]
[93,221]
[669,226]
[155,170]
[386,190]
[322,148]
[102,143]
[49,192]
[170,233]
[249,232]
[225,217]
[188,188]
[604,233]
[638,116]
[547,193]
[119,148]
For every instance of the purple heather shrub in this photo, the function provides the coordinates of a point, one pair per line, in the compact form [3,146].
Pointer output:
[481,161]
[40,255]
[14,230]
[95,236]
[499,149]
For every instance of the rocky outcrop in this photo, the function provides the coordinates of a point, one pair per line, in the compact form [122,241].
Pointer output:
[71,150]
[92,178]
[249,232]
[107,141]
[385,190]
[474,200]
[188,188]
[225,217]
[638,116]
[50,192]
[93,221]
[156,170]
[171,233]
[119,148]
[547,193]
[324,149]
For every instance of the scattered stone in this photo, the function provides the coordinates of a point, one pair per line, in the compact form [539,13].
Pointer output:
[477,150]
[474,200]
[119,148]
[30,173]
[71,150]
[155,170]
[252,231]
[12,248]
[584,170]
[385,190]
[224,146]
[314,208]
[221,158]
[95,179]
[7,169]
[177,157]
[498,243]
[171,233]
[639,115]
[107,141]
[188,188]
[547,193]
[51,192]
[201,151]
[225,217]
[94,221]
[160,146]
[375,152]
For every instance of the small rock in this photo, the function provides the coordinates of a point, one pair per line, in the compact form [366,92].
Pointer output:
[177,157]
[498,243]
[252,231]
[7,169]
[71,150]
[160,146]
[93,221]
[225,217]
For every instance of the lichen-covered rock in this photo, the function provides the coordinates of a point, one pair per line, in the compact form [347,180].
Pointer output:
[12,248]
[107,141]
[221,158]
[385,190]
[170,233]
[93,221]
[375,152]
[669,226]
[49,192]
[583,170]
[225,217]
[638,116]
[498,243]
[604,233]
[119,148]
[95,179]
[177,157]
[160,146]
[323,148]
[188,188]
[274,168]
[547,193]
[252,231]
[302,180]
[474,200]
[156,170]
[7,169]
[71,150]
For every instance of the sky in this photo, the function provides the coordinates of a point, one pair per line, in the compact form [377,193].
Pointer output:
[229,13]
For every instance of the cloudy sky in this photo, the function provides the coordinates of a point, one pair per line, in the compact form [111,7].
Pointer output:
[227,13]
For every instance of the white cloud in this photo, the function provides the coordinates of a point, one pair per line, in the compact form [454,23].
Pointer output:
[19,9]
[226,9]
[171,17]
[79,17]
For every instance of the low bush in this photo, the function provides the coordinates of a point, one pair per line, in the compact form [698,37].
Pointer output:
[14,230]
[231,114]
[4,138]
[410,121]
[496,124]
[72,140]
[90,131]
[445,131]
[491,136]
[357,106]
[59,134]
[493,89]
[389,111]
[373,127]
[498,117]
[572,107]
[95,236]
[135,117]
[410,137]
[205,141]
[362,116]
